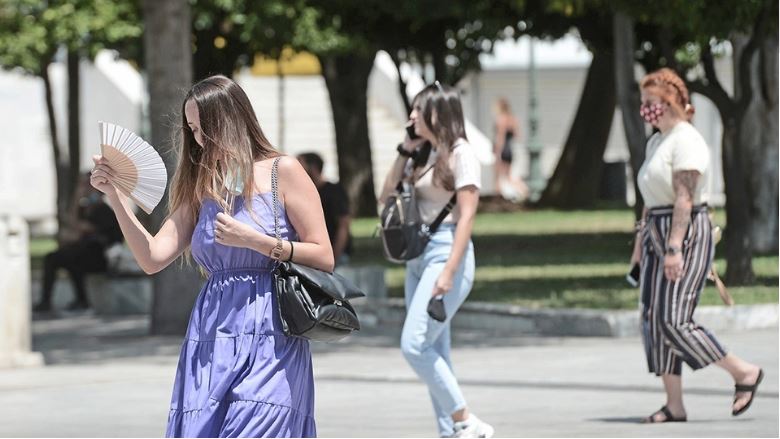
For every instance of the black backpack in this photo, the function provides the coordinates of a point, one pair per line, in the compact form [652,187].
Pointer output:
[404,235]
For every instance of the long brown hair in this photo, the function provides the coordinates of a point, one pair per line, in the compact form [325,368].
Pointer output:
[668,86]
[444,101]
[232,142]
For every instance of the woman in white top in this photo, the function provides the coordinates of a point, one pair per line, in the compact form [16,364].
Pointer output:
[675,249]
[444,164]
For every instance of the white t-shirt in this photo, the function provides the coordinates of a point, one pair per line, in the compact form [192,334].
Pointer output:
[466,171]
[681,149]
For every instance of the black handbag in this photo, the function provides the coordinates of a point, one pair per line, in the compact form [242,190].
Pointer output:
[312,303]
[404,235]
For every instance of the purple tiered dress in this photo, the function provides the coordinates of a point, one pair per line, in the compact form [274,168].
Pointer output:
[238,374]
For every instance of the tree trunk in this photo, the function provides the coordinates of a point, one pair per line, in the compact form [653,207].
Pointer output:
[346,77]
[575,182]
[401,83]
[74,126]
[628,98]
[759,143]
[439,67]
[739,266]
[60,169]
[169,66]
[739,249]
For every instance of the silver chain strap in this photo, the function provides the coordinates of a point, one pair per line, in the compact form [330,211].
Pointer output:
[275,195]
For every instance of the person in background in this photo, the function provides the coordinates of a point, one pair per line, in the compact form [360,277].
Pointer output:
[83,246]
[675,249]
[335,205]
[507,128]
[440,163]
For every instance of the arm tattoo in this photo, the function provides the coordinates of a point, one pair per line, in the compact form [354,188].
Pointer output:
[684,183]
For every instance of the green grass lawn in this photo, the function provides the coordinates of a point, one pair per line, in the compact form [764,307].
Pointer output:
[547,258]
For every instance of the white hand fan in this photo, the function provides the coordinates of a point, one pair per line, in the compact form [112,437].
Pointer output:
[139,170]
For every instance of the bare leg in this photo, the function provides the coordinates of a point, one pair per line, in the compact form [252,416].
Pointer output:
[674,401]
[520,186]
[461,415]
[742,372]
[497,175]
[502,176]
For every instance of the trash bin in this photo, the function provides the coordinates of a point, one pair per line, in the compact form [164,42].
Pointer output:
[15,307]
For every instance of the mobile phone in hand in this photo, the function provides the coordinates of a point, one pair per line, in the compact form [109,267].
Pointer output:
[633,276]
[436,309]
[410,131]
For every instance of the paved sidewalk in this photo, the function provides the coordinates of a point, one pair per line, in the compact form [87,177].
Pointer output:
[106,378]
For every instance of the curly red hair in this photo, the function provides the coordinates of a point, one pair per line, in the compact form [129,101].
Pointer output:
[667,85]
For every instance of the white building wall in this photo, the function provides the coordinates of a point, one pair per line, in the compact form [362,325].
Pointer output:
[110,90]
[27,180]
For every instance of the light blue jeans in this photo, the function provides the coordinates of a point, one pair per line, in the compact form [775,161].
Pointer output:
[425,342]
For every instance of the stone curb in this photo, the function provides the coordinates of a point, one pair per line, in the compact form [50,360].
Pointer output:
[569,322]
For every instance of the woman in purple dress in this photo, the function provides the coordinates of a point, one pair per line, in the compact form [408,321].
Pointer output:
[238,374]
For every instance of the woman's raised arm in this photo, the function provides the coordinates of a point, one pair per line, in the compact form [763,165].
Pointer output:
[153,253]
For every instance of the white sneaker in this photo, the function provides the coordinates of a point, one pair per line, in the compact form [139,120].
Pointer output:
[473,427]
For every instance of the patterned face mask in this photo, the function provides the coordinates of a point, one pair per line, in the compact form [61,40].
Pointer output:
[652,112]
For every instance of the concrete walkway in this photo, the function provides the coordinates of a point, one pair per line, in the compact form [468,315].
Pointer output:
[106,378]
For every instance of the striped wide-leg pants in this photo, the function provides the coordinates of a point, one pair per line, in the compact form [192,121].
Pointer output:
[670,335]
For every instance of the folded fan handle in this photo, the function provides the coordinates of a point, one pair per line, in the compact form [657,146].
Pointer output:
[722,290]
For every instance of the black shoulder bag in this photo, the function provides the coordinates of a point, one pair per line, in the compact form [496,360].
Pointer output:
[404,235]
[312,303]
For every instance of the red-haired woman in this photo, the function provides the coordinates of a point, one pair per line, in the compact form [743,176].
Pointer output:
[675,249]
[238,374]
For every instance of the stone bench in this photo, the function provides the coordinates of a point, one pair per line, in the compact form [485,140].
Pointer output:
[120,293]
[123,289]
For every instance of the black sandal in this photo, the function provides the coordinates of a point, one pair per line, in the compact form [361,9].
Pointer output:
[752,388]
[669,417]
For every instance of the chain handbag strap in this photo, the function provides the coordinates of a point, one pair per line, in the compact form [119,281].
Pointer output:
[275,195]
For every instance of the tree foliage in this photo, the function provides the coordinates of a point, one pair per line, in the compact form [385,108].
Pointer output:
[32,31]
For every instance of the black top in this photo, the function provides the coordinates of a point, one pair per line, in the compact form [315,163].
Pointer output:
[509,135]
[335,205]
[506,151]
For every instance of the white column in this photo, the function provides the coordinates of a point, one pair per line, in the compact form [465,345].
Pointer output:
[15,308]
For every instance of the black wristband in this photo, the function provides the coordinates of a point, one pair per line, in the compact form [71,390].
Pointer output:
[292,250]
[401,150]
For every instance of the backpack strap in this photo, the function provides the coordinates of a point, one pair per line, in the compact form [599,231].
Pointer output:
[412,179]
[447,207]
[443,214]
